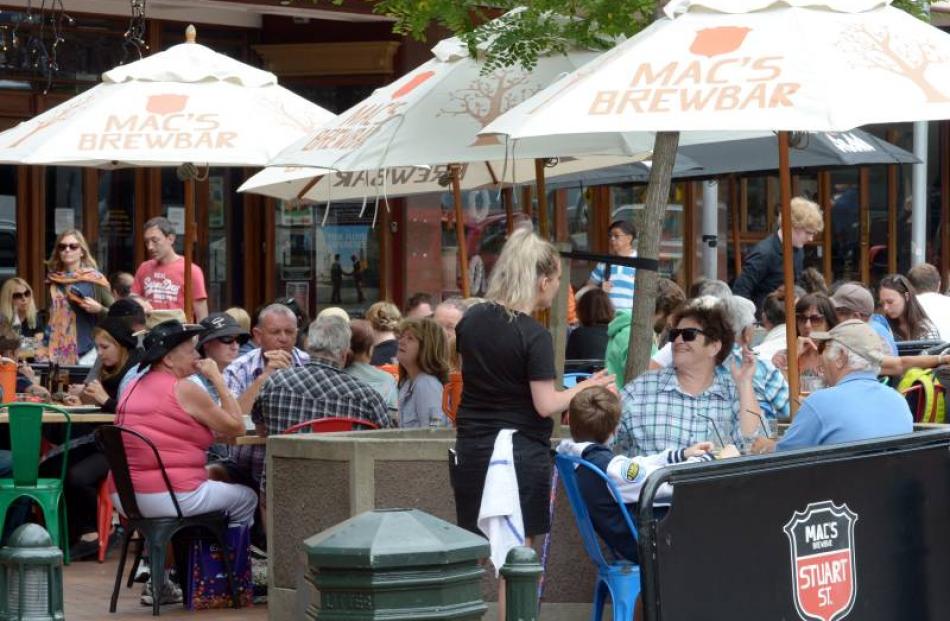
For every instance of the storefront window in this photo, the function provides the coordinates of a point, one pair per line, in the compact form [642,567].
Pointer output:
[117,231]
[308,247]
[63,202]
[225,221]
[8,187]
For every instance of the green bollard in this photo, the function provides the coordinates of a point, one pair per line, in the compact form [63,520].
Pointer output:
[521,572]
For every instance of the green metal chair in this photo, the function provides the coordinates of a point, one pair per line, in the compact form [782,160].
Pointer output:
[26,426]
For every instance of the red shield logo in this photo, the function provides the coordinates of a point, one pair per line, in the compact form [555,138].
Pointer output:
[821,539]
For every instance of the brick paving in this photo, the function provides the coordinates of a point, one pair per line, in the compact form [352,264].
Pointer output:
[88,587]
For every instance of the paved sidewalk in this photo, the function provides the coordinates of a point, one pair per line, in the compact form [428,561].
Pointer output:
[88,587]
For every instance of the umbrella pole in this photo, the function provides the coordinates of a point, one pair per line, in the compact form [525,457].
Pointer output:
[543,227]
[460,226]
[508,197]
[785,192]
[188,246]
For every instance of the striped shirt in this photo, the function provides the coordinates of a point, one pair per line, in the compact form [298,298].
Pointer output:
[658,414]
[622,283]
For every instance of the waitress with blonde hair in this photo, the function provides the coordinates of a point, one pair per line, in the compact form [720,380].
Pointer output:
[508,381]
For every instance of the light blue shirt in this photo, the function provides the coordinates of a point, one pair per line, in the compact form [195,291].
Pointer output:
[879,324]
[857,408]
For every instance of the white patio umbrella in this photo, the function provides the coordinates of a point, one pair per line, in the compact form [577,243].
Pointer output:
[785,65]
[431,118]
[186,105]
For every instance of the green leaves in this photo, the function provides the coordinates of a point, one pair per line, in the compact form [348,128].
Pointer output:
[540,27]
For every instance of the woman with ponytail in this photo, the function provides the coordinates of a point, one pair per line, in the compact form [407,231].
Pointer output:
[508,380]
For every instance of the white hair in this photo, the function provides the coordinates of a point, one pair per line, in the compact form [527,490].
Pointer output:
[855,362]
[740,313]
[328,335]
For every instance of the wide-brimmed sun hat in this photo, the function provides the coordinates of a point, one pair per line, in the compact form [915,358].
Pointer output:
[165,337]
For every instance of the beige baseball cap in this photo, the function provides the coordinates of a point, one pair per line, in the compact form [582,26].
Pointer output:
[855,336]
[853,297]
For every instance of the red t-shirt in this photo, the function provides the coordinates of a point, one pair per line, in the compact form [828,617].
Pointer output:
[164,285]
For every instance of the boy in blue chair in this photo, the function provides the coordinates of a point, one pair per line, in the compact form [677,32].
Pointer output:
[594,416]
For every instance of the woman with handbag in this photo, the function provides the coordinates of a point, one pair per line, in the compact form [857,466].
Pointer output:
[79,296]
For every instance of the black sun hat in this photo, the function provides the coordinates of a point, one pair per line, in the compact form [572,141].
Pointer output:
[165,337]
[220,325]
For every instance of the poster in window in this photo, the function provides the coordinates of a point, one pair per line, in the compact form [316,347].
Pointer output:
[300,291]
[294,213]
[176,215]
[216,202]
[344,275]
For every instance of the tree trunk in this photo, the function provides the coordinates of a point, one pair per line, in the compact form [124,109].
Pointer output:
[648,247]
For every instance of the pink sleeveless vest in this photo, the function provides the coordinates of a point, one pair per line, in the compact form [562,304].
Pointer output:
[150,407]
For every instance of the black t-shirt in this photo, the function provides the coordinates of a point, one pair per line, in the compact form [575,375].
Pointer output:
[587,343]
[384,352]
[501,354]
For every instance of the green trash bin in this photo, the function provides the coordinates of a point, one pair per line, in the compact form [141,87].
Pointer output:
[398,564]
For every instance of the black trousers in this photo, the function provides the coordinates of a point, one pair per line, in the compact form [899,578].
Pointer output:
[86,469]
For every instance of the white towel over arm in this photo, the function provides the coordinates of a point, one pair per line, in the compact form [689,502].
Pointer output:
[499,516]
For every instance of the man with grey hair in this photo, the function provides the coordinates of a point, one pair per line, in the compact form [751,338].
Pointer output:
[448,314]
[768,383]
[318,389]
[161,279]
[856,406]
[276,333]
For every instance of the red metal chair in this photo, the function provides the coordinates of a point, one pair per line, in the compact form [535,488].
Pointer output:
[332,423]
[104,518]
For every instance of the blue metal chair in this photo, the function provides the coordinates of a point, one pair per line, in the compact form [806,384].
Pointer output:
[620,578]
[571,379]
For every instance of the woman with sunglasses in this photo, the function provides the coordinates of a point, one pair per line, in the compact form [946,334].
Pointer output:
[814,312]
[221,342]
[18,307]
[692,400]
[79,295]
[905,315]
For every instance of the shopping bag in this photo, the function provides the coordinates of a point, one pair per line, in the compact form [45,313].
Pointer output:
[206,585]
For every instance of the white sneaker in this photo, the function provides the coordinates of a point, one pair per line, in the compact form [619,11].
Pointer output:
[171,594]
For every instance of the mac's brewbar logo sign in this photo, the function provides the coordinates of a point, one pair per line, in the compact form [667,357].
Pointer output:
[821,539]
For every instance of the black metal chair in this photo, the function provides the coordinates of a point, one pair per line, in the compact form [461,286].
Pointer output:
[156,532]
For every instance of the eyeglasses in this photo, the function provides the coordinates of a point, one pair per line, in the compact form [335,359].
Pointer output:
[810,318]
[63,247]
[689,334]
[227,340]
[22,295]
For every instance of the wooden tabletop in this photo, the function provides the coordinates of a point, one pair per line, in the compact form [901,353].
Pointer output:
[249,440]
[52,416]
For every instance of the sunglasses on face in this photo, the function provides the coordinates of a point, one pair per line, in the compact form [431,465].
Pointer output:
[228,340]
[63,247]
[689,334]
[22,295]
[810,318]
